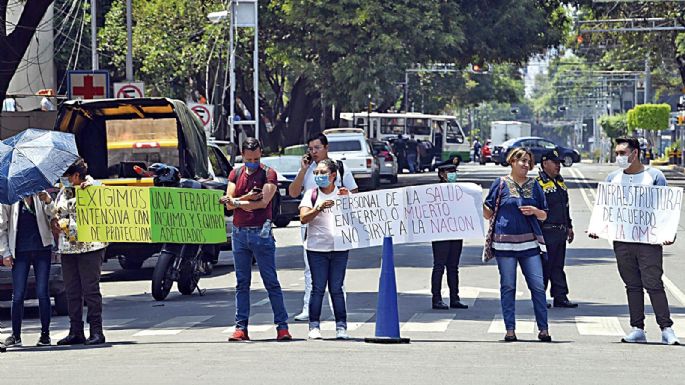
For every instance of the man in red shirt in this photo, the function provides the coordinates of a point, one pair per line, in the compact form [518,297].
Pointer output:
[250,190]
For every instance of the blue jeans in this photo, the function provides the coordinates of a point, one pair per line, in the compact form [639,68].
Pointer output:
[532,271]
[246,243]
[20,275]
[411,162]
[328,268]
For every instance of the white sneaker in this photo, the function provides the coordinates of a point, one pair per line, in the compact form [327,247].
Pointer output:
[341,334]
[304,316]
[668,337]
[637,335]
[315,334]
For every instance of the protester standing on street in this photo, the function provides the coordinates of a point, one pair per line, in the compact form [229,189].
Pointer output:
[476,150]
[519,204]
[306,180]
[81,261]
[640,265]
[327,263]
[412,153]
[400,147]
[26,240]
[446,254]
[557,229]
[250,191]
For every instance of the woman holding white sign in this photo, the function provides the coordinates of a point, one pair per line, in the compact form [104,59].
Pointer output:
[515,203]
[328,265]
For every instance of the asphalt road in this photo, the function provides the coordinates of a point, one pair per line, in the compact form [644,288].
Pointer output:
[183,340]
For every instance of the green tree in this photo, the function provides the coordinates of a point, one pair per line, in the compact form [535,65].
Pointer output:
[650,117]
[614,126]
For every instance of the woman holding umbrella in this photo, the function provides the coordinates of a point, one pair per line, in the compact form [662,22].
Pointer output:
[81,262]
[25,240]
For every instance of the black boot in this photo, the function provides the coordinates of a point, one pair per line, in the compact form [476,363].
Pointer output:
[439,305]
[96,338]
[96,335]
[75,337]
[455,303]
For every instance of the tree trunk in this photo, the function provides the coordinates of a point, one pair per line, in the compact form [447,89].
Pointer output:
[14,45]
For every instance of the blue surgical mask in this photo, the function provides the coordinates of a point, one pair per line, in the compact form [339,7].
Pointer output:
[65,181]
[322,180]
[451,177]
[252,165]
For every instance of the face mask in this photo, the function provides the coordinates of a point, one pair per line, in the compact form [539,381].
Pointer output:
[622,161]
[65,181]
[322,181]
[451,177]
[252,165]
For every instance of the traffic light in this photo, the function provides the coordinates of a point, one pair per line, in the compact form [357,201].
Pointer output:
[479,67]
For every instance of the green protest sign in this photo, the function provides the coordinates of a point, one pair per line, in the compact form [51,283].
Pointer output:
[155,214]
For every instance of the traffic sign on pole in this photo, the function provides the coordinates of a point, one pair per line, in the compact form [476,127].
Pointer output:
[87,85]
[205,112]
[129,90]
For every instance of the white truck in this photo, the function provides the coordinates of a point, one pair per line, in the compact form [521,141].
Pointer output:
[501,131]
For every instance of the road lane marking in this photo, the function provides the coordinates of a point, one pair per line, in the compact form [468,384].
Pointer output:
[173,326]
[679,325]
[522,326]
[599,326]
[354,321]
[262,302]
[428,322]
[675,291]
[258,322]
[583,190]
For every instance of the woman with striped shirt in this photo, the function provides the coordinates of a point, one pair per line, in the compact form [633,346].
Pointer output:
[518,238]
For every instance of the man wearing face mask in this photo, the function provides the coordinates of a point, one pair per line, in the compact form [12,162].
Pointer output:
[305,181]
[557,229]
[641,264]
[446,255]
[250,191]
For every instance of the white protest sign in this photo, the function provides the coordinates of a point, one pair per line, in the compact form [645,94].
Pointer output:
[636,213]
[412,214]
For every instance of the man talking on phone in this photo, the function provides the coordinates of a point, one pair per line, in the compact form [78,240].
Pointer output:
[250,191]
[317,150]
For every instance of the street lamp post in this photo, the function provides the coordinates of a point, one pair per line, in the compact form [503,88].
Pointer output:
[241,13]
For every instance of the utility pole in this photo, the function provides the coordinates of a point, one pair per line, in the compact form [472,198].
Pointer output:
[648,79]
[129,44]
[94,34]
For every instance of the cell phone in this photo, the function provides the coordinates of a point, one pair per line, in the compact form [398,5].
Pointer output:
[256,189]
[307,157]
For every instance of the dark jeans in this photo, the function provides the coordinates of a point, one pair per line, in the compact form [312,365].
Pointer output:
[532,272]
[82,283]
[328,268]
[553,267]
[20,275]
[640,267]
[446,254]
[246,244]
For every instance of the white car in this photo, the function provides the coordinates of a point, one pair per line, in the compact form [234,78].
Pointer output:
[350,146]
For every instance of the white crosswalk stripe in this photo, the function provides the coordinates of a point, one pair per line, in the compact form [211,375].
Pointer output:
[428,322]
[522,326]
[354,321]
[172,326]
[599,326]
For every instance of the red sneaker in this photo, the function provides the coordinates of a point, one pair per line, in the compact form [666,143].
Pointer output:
[239,335]
[283,335]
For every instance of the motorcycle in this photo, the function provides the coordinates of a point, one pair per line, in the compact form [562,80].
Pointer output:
[180,263]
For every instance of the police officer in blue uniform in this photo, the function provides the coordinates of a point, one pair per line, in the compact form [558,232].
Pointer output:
[557,229]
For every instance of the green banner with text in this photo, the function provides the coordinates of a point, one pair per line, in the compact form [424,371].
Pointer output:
[149,214]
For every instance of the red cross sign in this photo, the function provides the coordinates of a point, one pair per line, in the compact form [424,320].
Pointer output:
[86,85]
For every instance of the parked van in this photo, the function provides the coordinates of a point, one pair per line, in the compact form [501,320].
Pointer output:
[114,135]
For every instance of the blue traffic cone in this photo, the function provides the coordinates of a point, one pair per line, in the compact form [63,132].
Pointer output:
[387,313]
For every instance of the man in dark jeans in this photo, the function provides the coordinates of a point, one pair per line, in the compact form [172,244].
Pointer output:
[250,191]
[641,264]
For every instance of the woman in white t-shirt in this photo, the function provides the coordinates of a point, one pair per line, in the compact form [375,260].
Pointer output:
[327,264]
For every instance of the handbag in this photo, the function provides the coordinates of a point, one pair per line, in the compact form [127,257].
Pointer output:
[488,252]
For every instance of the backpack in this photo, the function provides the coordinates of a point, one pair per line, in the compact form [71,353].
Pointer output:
[276,200]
